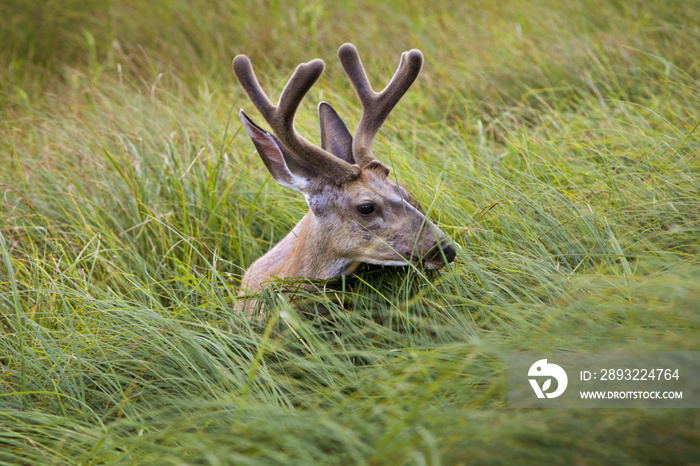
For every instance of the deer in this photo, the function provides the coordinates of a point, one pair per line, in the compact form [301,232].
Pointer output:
[357,213]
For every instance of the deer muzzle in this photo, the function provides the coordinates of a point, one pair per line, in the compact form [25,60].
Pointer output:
[439,255]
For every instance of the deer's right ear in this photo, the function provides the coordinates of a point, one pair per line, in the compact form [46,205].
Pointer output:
[335,137]
[272,154]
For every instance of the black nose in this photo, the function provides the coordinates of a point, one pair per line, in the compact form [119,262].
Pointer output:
[449,251]
[444,249]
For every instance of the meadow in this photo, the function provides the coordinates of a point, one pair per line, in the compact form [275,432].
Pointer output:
[556,142]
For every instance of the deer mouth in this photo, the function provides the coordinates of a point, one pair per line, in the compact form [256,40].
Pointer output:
[439,256]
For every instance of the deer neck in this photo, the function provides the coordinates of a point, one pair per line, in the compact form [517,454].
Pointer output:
[311,254]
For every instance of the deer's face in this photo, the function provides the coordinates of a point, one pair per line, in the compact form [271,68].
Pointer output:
[373,220]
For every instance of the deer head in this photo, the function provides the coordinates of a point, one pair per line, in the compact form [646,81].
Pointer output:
[357,214]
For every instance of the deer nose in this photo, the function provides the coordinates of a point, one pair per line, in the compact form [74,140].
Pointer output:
[445,248]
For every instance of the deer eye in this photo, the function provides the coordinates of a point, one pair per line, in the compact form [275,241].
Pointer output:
[365,209]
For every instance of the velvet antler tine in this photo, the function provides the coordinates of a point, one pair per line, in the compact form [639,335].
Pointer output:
[376,106]
[304,77]
[406,74]
[350,59]
[243,70]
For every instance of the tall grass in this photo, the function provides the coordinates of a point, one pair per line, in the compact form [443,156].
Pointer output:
[557,145]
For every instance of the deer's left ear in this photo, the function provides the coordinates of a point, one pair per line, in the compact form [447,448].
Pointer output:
[286,168]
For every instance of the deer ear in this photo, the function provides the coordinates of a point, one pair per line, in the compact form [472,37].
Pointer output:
[335,137]
[277,158]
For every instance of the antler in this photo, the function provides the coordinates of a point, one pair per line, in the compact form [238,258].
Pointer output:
[376,106]
[281,117]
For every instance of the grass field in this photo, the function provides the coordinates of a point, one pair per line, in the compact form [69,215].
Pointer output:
[556,143]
